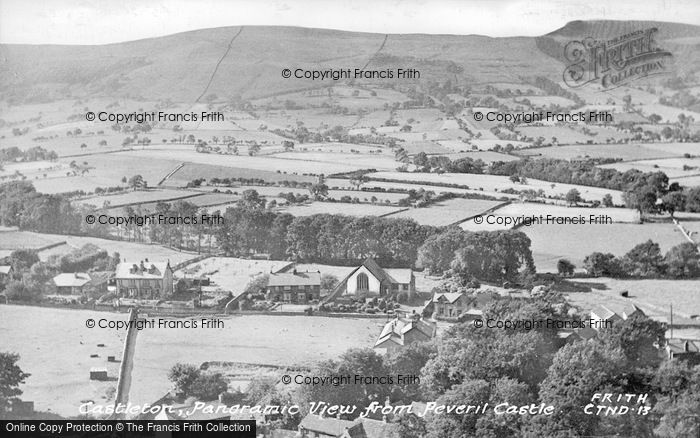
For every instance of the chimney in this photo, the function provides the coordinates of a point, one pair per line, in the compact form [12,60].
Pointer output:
[294,271]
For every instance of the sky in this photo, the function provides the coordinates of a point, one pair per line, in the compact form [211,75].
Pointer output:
[104,22]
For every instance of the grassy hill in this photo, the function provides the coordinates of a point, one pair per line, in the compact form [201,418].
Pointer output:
[179,67]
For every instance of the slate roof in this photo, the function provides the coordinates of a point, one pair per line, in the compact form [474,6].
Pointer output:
[396,329]
[144,270]
[5,269]
[326,425]
[298,279]
[450,297]
[78,279]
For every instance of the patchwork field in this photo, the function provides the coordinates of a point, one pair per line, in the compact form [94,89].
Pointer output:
[623,151]
[518,210]
[654,296]
[191,171]
[574,242]
[672,167]
[495,183]
[137,197]
[60,384]
[129,251]
[261,163]
[340,208]
[446,212]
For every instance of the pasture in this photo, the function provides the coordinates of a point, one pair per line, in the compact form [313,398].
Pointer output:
[446,212]
[58,385]
[574,242]
[229,274]
[496,183]
[624,151]
[339,208]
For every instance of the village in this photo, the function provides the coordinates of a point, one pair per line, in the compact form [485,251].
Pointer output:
[383,255]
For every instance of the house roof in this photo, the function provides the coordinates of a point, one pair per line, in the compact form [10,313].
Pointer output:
[360,428]
[610,310]
[379,429]
[603,312]
[77,279]
[144,270]
[326,425]
[402,276]
[450,297]
[396,329]
[5,269]
[292,279]
[376,270]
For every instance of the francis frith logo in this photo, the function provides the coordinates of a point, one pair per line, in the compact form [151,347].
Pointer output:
[615,62]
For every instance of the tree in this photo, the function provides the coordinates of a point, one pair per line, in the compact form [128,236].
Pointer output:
[183,376]
[360,361]
[318,190]
[257,285]
[438,251]
[328,282]
[573,197]
[638,337]
[11,376]
[251,199]
[644,260]
[408,361]
[673,202]
[578,370]
[683,261]
[493,256]
[565,267]
[679,401]
[137,182]
[608,200]
[401,156]
[253,149]
[288,145]
[599,264]
[208,386]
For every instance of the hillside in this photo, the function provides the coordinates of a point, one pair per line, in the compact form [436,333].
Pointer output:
[178,67]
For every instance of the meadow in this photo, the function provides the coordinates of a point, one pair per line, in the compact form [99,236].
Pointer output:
[574,242]
[447,212]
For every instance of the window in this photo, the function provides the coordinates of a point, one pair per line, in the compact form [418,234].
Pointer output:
[362,282]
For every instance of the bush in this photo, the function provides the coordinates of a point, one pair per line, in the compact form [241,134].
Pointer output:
[565,267]
[402,297]
[183,376]
[208,386]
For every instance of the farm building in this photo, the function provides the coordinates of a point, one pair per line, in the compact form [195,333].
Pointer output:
[371,279]
[145,280]
[602,315]
[294,287]
[71,283]
[403,331]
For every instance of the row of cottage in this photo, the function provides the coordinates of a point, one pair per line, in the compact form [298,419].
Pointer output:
[152,280]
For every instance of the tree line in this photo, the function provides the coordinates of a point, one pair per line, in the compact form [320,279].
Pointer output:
[647,261]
